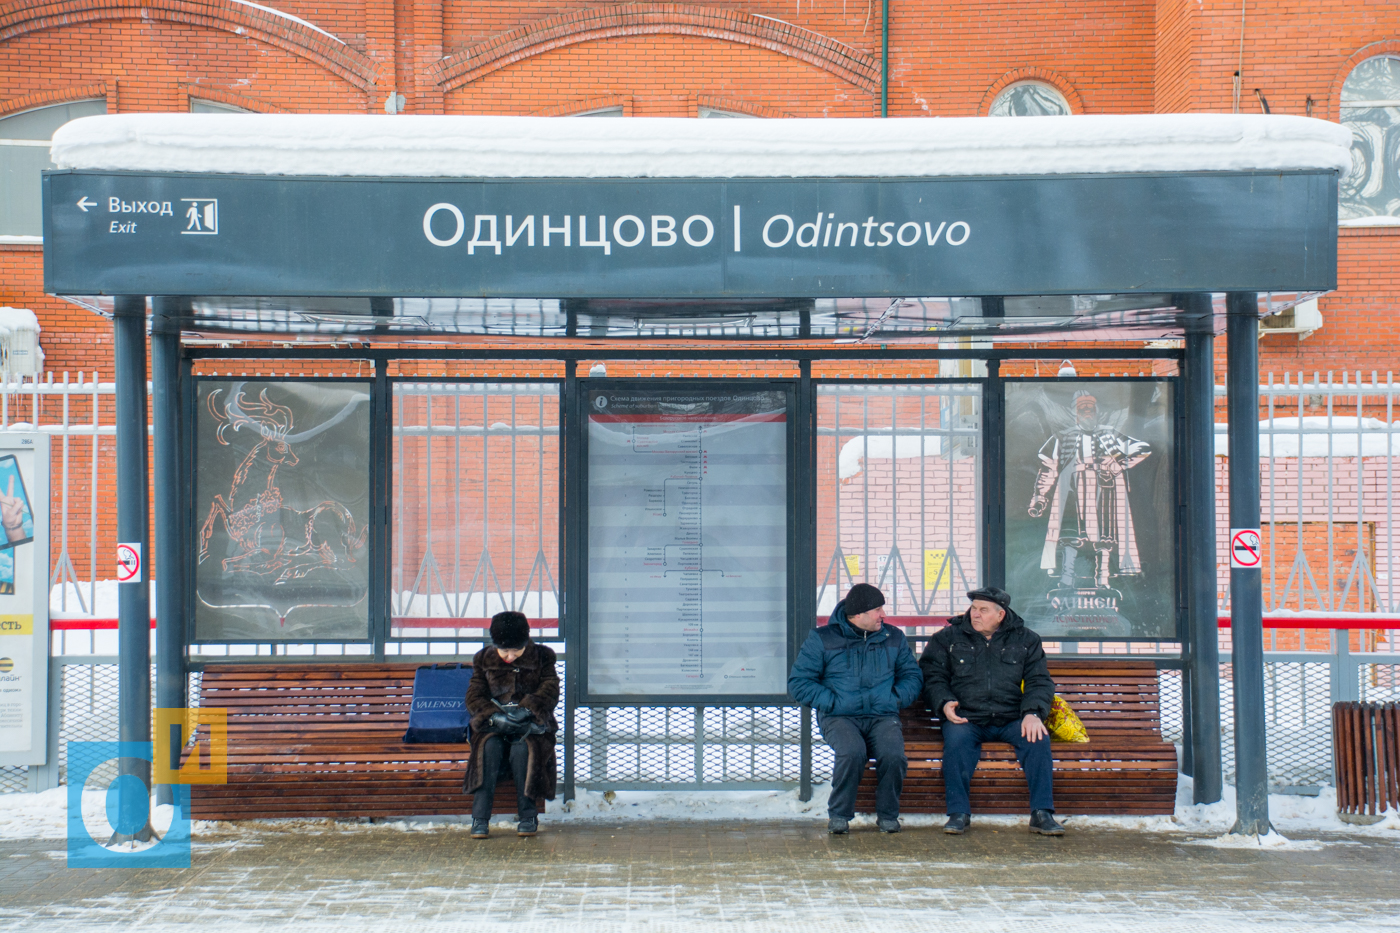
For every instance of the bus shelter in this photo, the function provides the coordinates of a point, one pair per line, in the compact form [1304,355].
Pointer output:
[732,288]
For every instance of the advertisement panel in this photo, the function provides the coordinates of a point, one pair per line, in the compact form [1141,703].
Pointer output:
[282,510]
[24,603]
[1090,498]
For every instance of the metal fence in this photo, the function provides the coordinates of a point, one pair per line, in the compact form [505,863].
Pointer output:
[475,530]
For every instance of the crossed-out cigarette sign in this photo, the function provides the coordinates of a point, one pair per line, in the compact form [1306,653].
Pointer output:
[1244,548]
[128,563]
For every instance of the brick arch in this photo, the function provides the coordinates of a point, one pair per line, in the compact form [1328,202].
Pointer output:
[1043,75]
[25,16]
[62,95]
[1389,47]
[638,19]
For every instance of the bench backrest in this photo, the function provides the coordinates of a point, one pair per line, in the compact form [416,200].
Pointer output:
[312,700]
[1111,698]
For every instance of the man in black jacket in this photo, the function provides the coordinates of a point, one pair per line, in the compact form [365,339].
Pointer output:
[985,677]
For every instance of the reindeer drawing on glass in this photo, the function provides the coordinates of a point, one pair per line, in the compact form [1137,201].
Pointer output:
[274,542]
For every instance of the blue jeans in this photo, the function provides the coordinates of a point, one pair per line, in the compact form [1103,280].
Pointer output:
[962,747]
[855,740]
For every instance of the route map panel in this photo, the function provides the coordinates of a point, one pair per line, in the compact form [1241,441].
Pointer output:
[687,542]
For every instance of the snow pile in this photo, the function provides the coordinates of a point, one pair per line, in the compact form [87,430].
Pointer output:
[14,319]
[1319,436]
[659,147]
[45,815]
[884,447]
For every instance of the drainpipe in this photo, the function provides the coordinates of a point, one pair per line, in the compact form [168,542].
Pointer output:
[884,58]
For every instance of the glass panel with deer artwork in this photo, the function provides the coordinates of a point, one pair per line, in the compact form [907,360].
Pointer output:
[282,510]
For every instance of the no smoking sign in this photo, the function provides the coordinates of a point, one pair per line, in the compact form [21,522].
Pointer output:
[129,563]
[1244,549]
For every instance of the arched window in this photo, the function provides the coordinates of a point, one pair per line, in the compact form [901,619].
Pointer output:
[614,111]
[200,105]
[24,153]
[714,113]
[1029,99]
[1371,110]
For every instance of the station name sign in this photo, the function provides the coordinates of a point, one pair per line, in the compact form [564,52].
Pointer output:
[181,234]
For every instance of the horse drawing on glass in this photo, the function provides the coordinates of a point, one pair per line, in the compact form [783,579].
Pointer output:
[275,547]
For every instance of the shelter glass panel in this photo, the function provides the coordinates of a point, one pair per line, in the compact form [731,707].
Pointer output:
[475,507]
[898,501]
[1091,530]
[282,491]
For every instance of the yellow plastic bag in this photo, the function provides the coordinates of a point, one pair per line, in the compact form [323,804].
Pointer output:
[1063,724]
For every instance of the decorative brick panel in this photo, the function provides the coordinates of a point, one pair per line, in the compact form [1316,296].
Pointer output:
[21,17]
[638,19]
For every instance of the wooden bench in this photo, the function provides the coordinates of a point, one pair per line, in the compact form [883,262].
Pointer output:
[1124,768]
[325,740]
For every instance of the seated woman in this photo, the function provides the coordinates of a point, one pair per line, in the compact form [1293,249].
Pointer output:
[511,699]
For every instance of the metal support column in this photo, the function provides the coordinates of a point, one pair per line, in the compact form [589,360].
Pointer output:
[804,517]
[166,402]
[380,497]
[1246,594]
[993,476]
[1201,690]
[133,527]
[569,553]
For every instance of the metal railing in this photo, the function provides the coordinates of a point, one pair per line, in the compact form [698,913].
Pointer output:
[1328,451]
[1329,551]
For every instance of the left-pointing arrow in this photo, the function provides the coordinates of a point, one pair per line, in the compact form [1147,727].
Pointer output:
[84,204]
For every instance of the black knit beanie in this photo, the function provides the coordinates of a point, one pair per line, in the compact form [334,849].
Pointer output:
[862,598]
[510,630]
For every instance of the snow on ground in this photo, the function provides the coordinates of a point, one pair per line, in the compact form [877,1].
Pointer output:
[44,815]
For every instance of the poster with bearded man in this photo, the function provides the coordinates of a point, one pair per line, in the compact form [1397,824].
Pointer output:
[1090,532]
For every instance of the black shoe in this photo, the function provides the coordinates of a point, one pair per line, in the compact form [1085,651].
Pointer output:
[957,823]
[480,828]
[1043,822]
[528,827]
[837,826]
[888,826]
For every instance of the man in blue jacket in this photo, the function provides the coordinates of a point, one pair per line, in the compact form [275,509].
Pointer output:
[858,673]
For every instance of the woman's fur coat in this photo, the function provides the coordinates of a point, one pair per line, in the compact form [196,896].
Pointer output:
[533,682]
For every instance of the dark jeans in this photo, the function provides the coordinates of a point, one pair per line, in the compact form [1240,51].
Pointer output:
[855,740]
[962,747]
[494,761]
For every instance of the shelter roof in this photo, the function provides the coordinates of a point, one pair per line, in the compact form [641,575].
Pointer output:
[652,147]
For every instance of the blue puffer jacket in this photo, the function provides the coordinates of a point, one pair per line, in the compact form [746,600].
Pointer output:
[843,671]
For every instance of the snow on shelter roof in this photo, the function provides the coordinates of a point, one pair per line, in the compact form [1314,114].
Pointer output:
[653,147]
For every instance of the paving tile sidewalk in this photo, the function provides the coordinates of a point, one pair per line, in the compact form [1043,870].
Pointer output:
[689,876]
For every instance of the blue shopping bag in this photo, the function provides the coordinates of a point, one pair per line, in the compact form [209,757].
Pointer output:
[439,711]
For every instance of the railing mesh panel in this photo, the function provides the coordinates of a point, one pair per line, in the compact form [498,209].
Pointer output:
[14,780]
[1379,683]
[88,714]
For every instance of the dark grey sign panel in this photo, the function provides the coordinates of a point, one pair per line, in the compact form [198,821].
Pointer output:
[110,233]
